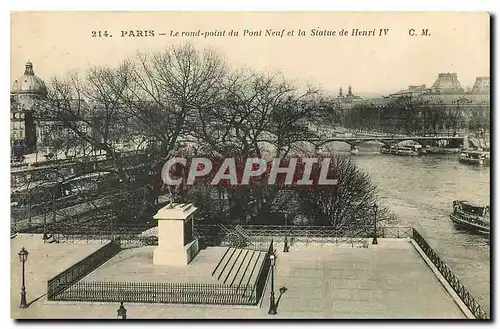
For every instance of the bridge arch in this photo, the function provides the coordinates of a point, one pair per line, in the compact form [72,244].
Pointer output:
[355,143]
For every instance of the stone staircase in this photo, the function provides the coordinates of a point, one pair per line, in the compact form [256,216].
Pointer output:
[239,267]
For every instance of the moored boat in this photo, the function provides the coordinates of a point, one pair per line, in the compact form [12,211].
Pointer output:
[440,150]
[474,157]
[471,216]
[405,150]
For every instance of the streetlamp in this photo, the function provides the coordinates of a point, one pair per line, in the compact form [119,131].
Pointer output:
[375,208]
[272,305]
[286,247]
[122,312]
[23,257]
[45,235]
[282,291]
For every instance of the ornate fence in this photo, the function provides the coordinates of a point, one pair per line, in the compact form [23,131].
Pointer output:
[65,286]
[128,236]
[82,238]
[123,240]
[395,232]
[214,235]
[65,279]
[158,292]
[454,282]
[259,237]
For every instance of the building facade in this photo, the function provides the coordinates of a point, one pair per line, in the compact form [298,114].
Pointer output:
[41,126]
[27,91]
[446,92]
[348,100]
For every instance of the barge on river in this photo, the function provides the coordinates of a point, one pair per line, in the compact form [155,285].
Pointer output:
[404,150]
[471,216]
[481,158]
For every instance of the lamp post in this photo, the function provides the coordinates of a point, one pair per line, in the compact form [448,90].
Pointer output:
[286,248]
[375,208]
[55,193]
[112,213]
[29,208]
[121,312]
[45,235]
[23,257]
[282,291]
[272,304]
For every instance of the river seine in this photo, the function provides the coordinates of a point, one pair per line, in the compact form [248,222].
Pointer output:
[420,191]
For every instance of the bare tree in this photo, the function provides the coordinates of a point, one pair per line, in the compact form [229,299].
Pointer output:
[183,95]
[167,90]
[347,204]
[253,108]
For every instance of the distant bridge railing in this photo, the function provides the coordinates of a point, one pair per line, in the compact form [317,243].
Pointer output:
[384,138]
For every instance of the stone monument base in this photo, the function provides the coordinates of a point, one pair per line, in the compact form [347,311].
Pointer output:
[176,257]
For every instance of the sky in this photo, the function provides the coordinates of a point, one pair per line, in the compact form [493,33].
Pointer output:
[56,42]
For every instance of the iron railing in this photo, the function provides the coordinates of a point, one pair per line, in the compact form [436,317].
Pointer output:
[123,240]
[82,238]
[59,219]
[399,232]
[158,292]
[256,237]
[76,272]
[453,281]
[263,273]
[65,286]
[261,234]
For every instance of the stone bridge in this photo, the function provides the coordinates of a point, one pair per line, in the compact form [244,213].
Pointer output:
[389,140]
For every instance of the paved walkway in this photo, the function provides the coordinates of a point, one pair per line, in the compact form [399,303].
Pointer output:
[389,280]
[45,260]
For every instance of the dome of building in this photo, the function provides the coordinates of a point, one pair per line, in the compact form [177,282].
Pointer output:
[29,83]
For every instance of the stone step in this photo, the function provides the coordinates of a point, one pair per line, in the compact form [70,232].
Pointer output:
[239,270]
[244,275]
[235,266]
[231,265]
[224,263]
[253,270]
[258,264]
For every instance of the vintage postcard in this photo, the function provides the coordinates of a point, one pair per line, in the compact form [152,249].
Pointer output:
[250,165]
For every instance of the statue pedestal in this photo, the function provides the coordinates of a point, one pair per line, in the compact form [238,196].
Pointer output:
[176,244]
